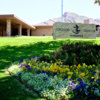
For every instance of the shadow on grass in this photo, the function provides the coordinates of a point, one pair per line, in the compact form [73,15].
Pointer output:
[9,87]
[13,90]
[8,54]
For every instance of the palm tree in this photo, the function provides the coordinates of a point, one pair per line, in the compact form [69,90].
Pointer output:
[97,1]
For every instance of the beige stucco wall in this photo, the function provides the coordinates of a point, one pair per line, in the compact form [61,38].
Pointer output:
[43,31]
[47,31]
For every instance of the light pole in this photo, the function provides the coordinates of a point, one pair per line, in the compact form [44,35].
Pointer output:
[61,10]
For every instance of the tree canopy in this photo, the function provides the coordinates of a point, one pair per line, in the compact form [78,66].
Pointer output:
[97,1]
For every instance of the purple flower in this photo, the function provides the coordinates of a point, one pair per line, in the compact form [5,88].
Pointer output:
[21,66]
[74,89]
[43,71]
[98,80]
[94,73]
[20,61]
[48,73]
[79,79]
[65,77]
[38,72]
[28,67]
[82,84]
[37,57]
[54,74]
[31,68]
[91,71]
[19,74]
[95,86]
[78,87]
[71,83]
[70,79]
[92,80]
[45,79]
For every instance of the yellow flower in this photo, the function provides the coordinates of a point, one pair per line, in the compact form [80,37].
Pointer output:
[51,62]
[77,73]
[93,65]
[44,68]
[90,66]
[75,66]
[70,73]
[67,69]
[61,70]
[70,66]
[60,62]
[55,65]
[42,61]
[82,74]
[87,73]
[92,77]
[55,70]
[84,64]
[69,77]
[51,69]
[97,71]
[79,66]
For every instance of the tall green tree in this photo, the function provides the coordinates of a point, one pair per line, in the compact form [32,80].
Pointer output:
[97,1]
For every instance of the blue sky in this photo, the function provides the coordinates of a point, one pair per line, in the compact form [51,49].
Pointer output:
[36,11]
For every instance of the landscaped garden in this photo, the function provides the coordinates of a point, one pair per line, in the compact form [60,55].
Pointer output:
[36,68]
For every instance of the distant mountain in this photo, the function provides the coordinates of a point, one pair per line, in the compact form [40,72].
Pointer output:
[70,17]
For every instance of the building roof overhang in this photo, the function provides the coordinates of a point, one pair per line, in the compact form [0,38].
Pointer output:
[43,26]
[15,20]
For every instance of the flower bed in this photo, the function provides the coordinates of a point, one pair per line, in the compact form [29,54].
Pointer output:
[55,79]
[77,53]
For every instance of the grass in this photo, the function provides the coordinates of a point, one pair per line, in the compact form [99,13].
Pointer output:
[17,48]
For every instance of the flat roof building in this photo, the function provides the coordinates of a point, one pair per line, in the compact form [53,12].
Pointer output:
[43,30]
[10,25]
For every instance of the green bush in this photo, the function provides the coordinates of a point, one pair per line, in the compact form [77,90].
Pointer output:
[77,53]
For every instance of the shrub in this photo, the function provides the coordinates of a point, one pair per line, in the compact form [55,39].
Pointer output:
[26,76]
[71,54]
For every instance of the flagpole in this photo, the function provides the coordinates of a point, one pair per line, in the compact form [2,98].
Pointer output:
[61,10]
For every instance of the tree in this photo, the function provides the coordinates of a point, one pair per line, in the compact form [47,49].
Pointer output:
[97,1]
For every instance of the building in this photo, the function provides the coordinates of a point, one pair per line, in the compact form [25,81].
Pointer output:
[10,25]
[43,30]
[86,21]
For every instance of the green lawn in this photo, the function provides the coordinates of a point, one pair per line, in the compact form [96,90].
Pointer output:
[17,48]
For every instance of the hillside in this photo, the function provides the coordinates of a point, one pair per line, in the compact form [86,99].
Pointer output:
[71,18]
